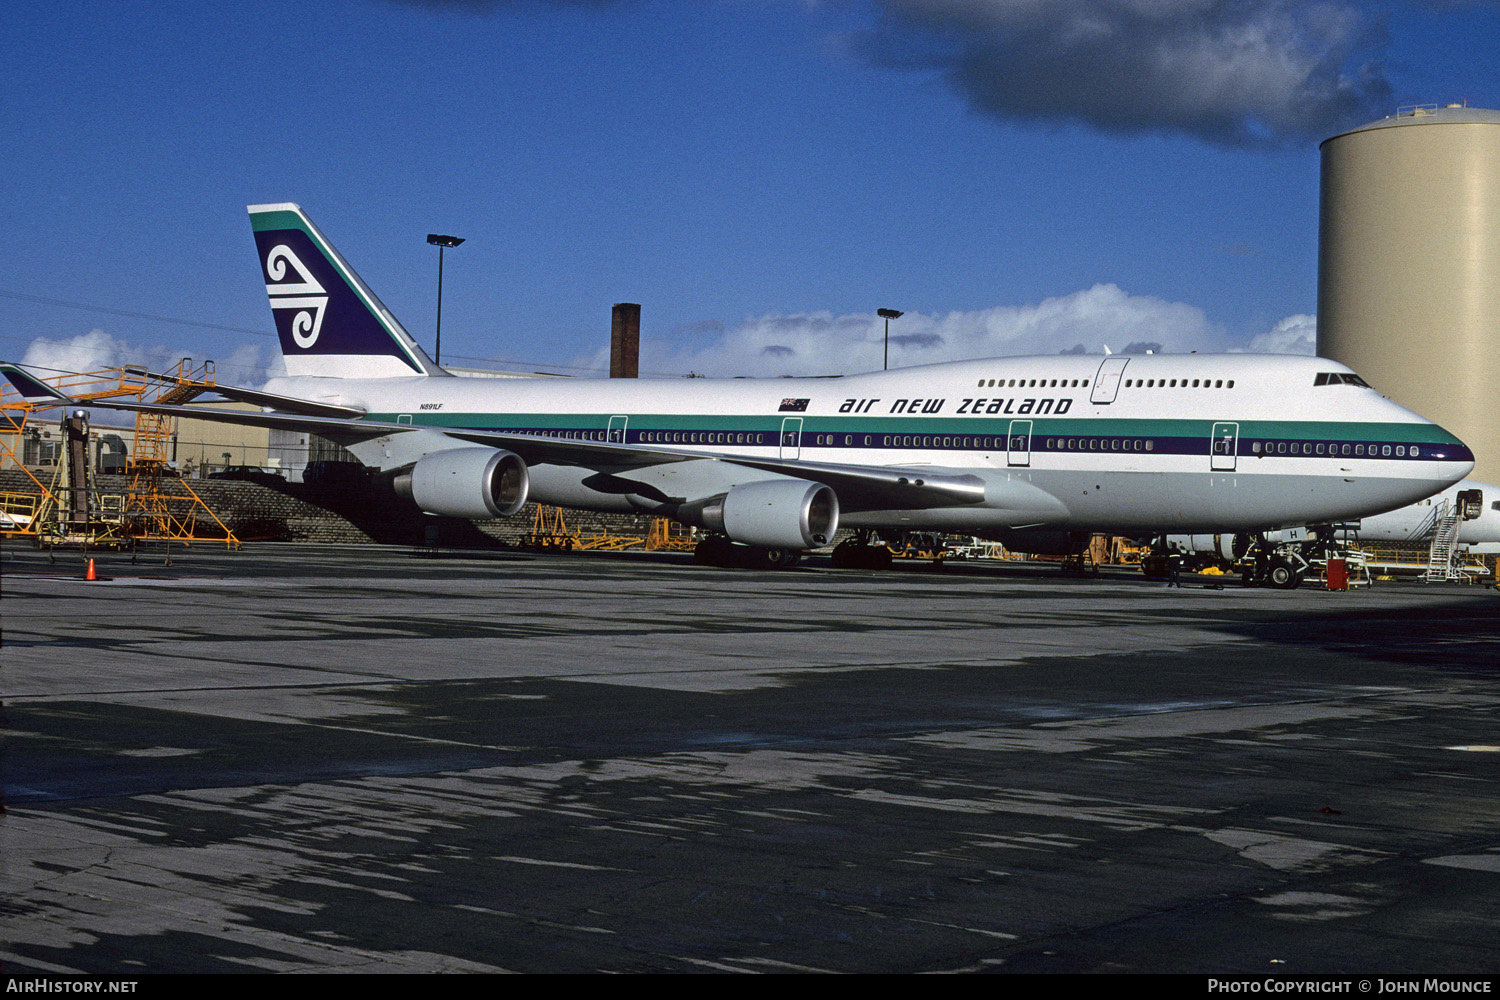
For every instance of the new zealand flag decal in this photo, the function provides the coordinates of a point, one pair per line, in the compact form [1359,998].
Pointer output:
[794,405]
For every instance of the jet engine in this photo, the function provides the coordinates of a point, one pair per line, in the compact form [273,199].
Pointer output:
[776,514]
[467,482]
[1229,548]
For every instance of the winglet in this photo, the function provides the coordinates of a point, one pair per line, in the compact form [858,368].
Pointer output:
[30,387]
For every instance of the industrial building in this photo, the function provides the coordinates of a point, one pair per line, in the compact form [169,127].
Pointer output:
[1409,265]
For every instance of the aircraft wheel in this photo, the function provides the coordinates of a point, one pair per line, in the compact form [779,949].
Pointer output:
[763,557]
[774,558]
[1281,575]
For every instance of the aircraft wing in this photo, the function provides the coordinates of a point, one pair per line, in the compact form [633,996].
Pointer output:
[860,487]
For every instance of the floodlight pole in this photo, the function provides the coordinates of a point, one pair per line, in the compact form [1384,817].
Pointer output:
[888,315]
[442,243]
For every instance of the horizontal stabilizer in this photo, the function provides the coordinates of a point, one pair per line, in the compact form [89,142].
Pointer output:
[289,404]
[30,387]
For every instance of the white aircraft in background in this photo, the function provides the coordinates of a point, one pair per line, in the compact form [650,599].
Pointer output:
[1474,505]
[1036,452]
[1478,508]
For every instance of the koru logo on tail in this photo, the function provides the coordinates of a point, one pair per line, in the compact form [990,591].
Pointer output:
[300,291]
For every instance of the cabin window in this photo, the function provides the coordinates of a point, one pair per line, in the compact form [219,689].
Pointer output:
[1150,444]
[1229,384]
[1400,451]
[1385,452]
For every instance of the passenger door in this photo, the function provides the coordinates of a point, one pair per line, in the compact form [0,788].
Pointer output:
[1107,380]
[1019,449]
[791,437]
[617,427]
[1224,446]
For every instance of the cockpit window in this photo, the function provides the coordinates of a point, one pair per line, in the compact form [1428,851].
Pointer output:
[1339,378]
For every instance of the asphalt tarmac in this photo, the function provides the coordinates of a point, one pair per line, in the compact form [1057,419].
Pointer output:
[330,758]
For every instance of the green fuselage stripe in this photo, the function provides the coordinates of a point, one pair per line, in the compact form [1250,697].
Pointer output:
[1309,430]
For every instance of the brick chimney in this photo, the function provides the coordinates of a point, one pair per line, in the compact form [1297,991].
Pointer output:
[625,341]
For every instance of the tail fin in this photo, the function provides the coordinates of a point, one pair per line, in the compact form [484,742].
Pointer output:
[329,322]
[31,388]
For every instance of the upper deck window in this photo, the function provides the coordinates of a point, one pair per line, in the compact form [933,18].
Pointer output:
[1339,378]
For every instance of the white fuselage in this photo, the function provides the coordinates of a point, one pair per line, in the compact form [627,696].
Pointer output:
[1178,443]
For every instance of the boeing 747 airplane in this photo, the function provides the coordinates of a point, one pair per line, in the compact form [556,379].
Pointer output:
[1037,452]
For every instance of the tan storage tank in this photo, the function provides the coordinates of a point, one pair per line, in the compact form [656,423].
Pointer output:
[1409,266]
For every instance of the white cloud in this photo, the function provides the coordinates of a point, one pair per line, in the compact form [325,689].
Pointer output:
[820,343]
[98,349]
[1293,335]
[1085,322]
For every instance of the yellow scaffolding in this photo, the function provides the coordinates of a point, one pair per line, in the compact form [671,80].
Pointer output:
[550,533]
[156,506]
[667,535]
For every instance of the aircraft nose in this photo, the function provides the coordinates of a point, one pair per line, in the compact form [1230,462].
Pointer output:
[1451,460]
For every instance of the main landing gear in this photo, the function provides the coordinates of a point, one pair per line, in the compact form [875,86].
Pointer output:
[716,550]
[856,552]
[1280,566]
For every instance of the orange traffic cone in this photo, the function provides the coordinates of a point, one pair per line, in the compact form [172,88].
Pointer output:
[90,575]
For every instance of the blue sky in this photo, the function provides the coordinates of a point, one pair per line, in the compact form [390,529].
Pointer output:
[1017,175]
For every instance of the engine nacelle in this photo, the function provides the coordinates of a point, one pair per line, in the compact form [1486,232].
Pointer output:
[777,514]
[1226,547]
[475,483]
